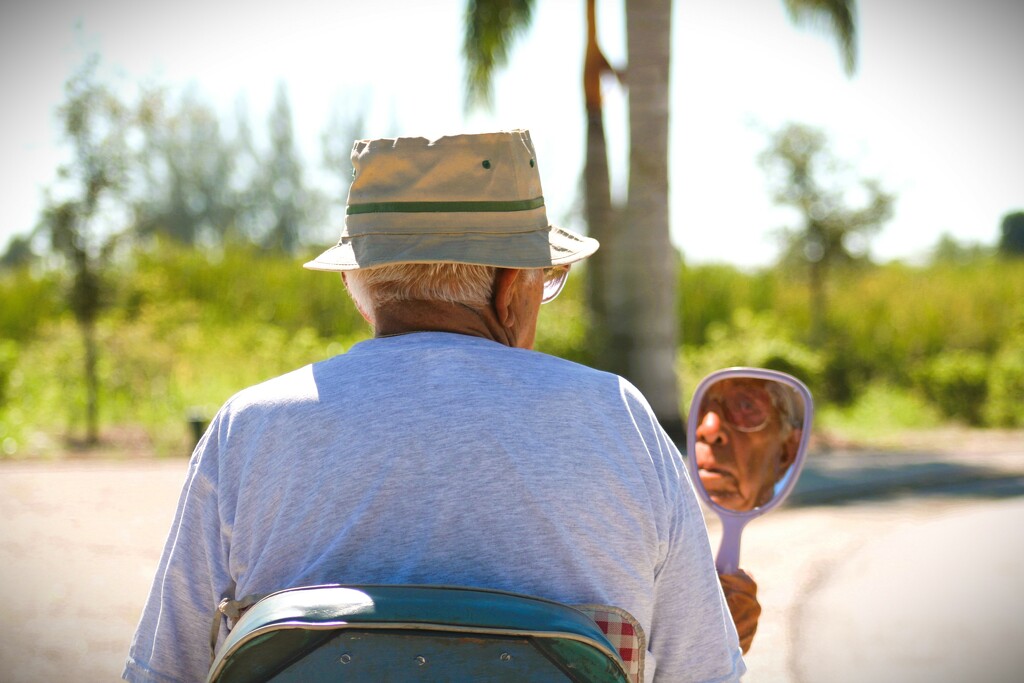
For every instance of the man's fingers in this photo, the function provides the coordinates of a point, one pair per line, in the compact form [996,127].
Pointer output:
[741,596]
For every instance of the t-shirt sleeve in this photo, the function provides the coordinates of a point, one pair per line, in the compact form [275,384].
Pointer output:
[172,642]
[693,637]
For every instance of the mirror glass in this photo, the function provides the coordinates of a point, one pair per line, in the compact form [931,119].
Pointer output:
[750,433]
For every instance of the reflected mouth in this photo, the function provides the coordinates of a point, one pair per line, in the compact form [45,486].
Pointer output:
[718,481]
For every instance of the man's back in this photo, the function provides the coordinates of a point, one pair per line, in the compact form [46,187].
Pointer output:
[438,458]
[443,451]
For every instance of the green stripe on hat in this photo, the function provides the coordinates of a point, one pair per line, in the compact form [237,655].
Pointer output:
[446,207]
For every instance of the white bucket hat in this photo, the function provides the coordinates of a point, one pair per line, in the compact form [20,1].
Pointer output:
[457,199]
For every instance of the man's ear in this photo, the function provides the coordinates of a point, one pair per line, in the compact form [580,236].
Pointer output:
[790,447]
[505,290]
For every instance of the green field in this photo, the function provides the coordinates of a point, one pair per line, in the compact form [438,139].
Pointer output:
[907,347]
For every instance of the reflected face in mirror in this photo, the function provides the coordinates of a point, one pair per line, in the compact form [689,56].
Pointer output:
[747,438]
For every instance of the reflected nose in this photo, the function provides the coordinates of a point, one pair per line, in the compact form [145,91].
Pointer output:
[710,429]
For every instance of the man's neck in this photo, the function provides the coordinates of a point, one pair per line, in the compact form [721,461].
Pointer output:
[433,316]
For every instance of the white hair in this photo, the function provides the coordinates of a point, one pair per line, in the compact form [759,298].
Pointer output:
[789,403]
[465,283]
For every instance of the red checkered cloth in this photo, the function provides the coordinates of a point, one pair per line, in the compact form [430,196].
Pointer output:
[625,633]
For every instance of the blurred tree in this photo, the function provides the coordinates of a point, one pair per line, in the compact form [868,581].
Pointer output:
[599,212]
[949,250]
[288,203]
[1011,235]
[840,18]
[198,186]
[19,252]
[804,176]
[84,225]
[343,127]
[640,290]
[186,168]
[491,27]
[632,296]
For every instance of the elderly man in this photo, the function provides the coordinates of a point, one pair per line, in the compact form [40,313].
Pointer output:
[748,437]
[444,450]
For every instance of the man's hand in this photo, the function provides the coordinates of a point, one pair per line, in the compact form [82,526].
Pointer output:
[741,595]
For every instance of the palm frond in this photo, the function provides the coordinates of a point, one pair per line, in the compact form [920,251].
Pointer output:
[491,28]
[842,22]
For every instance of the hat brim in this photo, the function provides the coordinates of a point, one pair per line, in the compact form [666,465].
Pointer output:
[536,248]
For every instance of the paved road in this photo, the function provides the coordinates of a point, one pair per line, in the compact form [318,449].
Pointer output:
[865,575]
[79,542]
[939,598]
[905,589]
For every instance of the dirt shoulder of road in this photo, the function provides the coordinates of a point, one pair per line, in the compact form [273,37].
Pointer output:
[950,440]
[125,443]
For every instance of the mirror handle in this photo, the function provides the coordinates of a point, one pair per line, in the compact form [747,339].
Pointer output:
[728,559]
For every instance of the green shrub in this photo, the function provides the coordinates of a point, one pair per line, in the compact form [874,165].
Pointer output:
[709,294]
[1005,405]
[8,359]
[894,317]
[153,371]
[42,383]
[188,328]
[29,300]
[881,410]
[957,383]
[749,339]
[240,283]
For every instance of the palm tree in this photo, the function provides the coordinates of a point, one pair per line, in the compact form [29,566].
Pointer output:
[840,15]
[491,25]
[633,296]
[642,324]
[599,212]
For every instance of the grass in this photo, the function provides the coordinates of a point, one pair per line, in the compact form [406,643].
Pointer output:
[153,377]
[881,416]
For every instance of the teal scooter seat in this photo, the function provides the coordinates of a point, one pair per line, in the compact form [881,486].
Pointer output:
[414,633]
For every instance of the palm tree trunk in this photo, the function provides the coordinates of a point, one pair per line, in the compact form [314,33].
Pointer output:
[600,221]
[600,214]
[643,306]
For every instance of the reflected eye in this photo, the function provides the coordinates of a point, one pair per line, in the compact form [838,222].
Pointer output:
[748,409]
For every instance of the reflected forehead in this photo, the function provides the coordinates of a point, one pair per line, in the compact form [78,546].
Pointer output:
[732,386]
[741,383]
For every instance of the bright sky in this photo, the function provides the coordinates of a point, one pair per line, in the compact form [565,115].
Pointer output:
[935,111]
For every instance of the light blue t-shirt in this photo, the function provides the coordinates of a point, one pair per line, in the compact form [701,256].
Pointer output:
[436,458]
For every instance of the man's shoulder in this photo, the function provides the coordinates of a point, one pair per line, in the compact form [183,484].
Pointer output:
[555,371]
[564,365]
[579,373]
[292,387]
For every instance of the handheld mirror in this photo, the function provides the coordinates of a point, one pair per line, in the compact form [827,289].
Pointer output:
[746,439]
